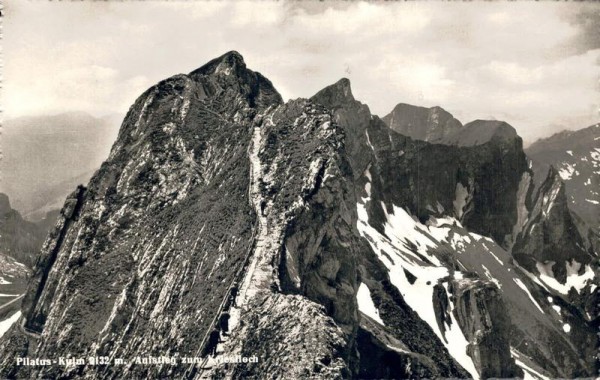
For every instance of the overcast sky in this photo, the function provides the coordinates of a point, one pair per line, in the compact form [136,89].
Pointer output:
[534,65]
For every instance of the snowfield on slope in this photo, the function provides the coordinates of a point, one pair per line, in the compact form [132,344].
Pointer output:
[402,230]
[366,305]
[411,246]
[7,323]
[574,279]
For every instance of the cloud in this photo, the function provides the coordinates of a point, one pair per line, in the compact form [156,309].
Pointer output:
[363,20]
[585,19]
[253,13]
[533,64]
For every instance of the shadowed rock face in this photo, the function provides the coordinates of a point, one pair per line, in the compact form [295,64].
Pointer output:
[352,116]
[213,180]
[424,177]
[405,172]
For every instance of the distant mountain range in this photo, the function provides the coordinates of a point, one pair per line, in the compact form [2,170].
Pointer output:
[45,157]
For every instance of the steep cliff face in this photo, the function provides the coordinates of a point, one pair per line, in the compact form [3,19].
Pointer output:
[352,116]
[402,322]
[355,251]
[434,179]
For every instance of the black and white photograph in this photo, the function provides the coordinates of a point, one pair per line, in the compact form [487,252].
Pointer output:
[299,190]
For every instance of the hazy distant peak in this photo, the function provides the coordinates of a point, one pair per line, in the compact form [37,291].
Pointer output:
[429,124]
[495,127]
[568,139]
[482,131]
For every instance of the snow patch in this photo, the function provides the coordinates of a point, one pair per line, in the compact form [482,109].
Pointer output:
[368,173]
[366,305]
[406,232]
[574,280]
[495,257]
[397,349]
[404,235]
[5,324]
[566,172]
[566,328]
[369,140]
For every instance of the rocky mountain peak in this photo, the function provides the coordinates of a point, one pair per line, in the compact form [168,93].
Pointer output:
[482,131]
[226,63]
[229,72]
[428,124]
[551,233]
[335,95]
[574,141]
